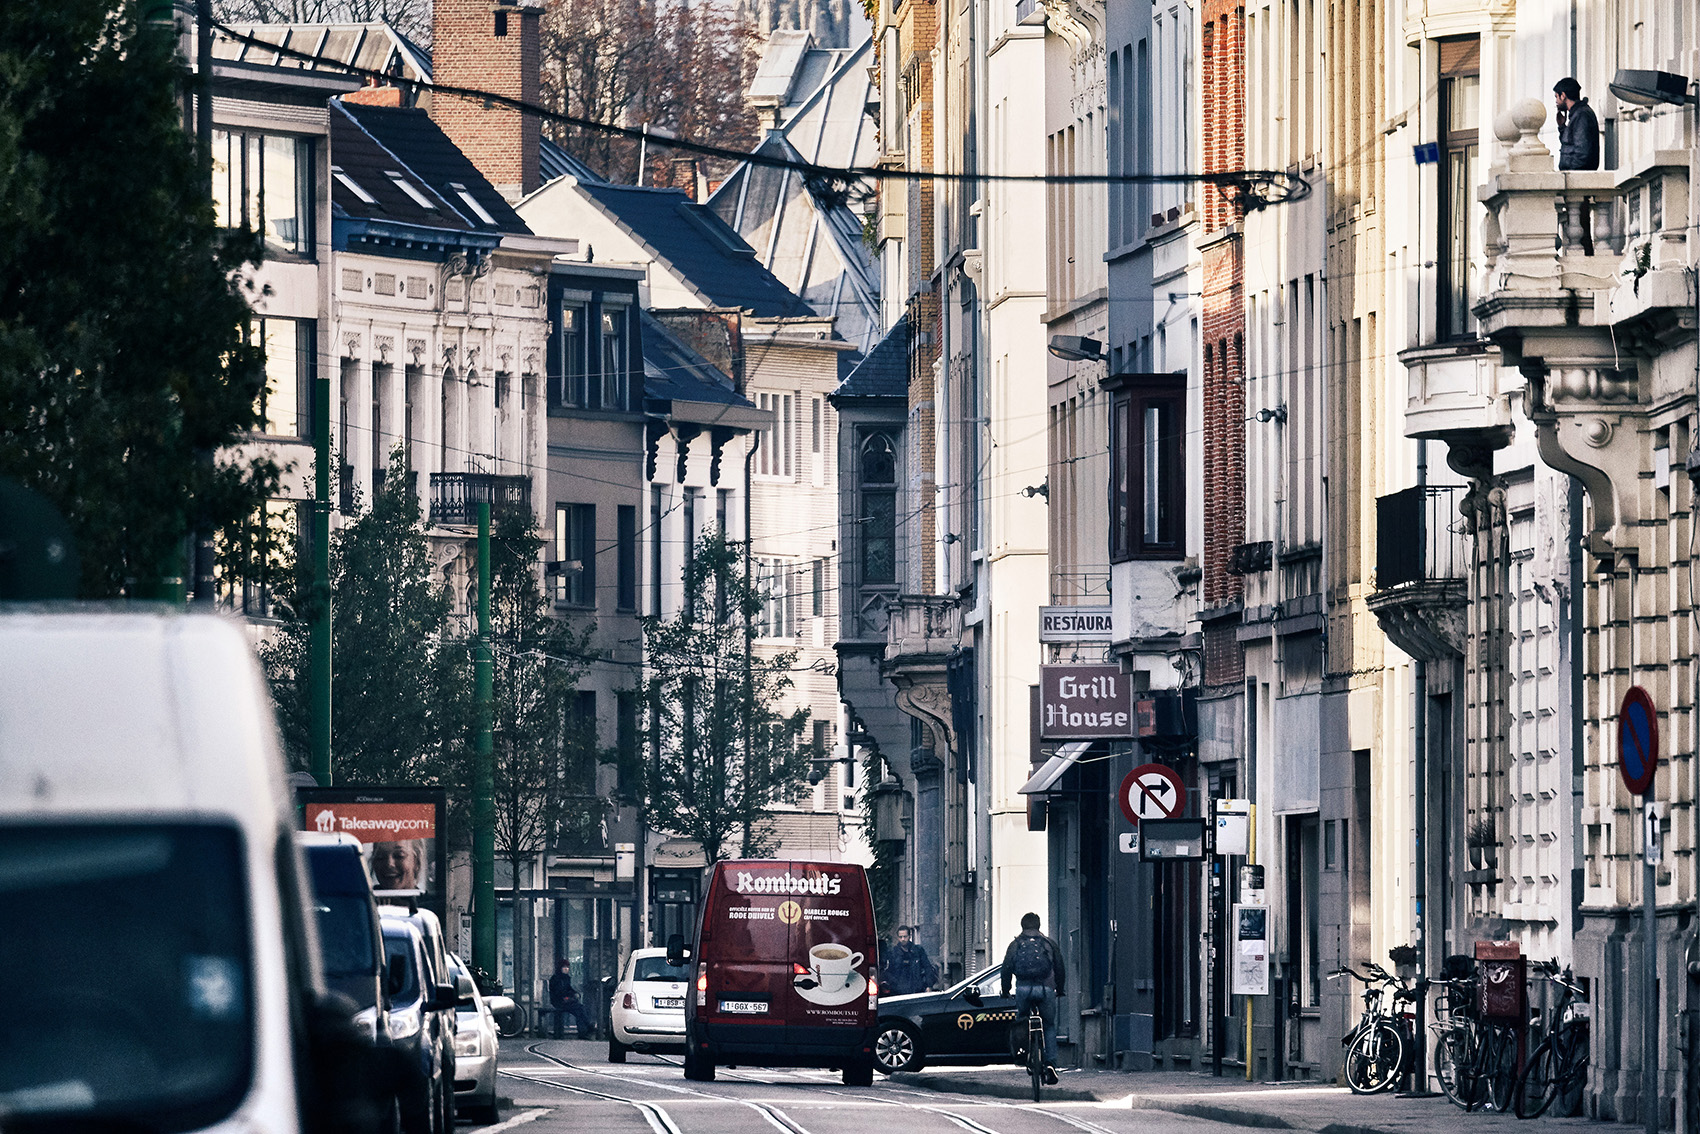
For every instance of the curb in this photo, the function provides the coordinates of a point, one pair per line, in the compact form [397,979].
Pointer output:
[945,1083]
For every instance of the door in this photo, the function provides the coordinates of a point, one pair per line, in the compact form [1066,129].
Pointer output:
[955,1027]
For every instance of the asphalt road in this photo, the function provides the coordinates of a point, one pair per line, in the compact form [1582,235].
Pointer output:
[568,1085]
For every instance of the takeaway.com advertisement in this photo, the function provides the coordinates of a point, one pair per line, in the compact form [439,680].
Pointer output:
[398,830]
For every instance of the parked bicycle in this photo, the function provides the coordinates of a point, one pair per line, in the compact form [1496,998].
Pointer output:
[1557,1070]
[1455,1034]
[1380,1049]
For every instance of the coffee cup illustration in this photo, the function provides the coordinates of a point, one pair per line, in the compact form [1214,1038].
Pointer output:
[833,965]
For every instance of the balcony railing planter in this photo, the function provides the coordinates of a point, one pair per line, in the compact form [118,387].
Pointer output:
[1422,569]
[455,497]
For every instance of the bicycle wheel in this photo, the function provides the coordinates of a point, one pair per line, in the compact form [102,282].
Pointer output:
[1538,1083]
[1036,1058]
[1374,1058]
[1571,1056]
[1452,1055]
[1502,1070]
[512,1023]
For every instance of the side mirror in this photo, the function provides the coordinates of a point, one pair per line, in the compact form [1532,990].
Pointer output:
[972,995]
[465,992]
[395,975]
[446,996]
[676,951]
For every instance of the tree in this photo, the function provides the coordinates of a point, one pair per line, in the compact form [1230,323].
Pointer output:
[679,68]
[546,753]
[401,699]
[124,361]
[723,750]
[411,18]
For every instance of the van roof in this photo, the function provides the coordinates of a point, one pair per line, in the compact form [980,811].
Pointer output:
[115,711]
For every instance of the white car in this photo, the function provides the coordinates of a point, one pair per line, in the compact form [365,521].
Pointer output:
[475,1050]
[648,1010]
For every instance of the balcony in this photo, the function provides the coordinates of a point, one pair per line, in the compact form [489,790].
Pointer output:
[1422,565]
[455,497]
[923,630]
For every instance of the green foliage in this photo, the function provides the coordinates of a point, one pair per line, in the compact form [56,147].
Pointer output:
[401,694]
[123,365]
[887,845]
[723,750]
[546,752]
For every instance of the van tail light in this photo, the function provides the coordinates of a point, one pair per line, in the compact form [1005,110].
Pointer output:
[702,984]
[873,992]
[628,1003]
[799,969]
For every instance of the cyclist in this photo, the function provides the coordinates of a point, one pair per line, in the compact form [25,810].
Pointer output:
[1035,964]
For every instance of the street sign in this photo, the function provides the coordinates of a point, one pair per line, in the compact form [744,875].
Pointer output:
[1069,624]
[1652,834]
[1637,740]
[1170,840]
[1233,826]
[1152,791]
[1251,950]
[1129,841]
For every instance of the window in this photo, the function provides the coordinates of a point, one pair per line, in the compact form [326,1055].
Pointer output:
[352,186]
[1147,470]
[264,182]
[776,582]
[575,554]
[471,202]
[409,188]
[1460,172]
[573,387]
[288,347]
[878,514]
[775,458]
[817,591]
[814,417]
[625,539]
[614,374]
[630,775]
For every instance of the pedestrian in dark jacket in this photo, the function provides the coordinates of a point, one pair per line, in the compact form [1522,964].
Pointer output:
[563,997]
[905,967]
[1035,964]
[1578,129]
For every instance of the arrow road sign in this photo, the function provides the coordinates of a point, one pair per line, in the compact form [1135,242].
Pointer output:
[1637,740]
[1152,791]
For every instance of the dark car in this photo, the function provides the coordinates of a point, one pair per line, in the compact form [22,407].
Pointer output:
[967,1023]
[427,1105]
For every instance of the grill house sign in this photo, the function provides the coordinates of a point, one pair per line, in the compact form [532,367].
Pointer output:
[1085,702]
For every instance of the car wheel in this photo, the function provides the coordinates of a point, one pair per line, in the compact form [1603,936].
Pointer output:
[616,1050]
[487,1115]
[697,1068]
[897,1047]
[859,1075]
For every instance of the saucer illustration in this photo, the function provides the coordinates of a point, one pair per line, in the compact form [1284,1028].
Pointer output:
[815,994]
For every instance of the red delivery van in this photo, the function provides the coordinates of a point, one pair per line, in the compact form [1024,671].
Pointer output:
[785,969]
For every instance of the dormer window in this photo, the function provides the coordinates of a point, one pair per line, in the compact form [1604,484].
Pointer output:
[352,185]
[472,202]
[410,189]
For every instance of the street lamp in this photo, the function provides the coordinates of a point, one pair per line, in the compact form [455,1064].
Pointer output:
[1077,348]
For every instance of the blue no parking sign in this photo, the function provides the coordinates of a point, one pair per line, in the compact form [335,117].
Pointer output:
[1637,740]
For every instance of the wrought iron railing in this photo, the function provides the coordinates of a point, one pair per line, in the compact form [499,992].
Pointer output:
[1419,536]
[455,496]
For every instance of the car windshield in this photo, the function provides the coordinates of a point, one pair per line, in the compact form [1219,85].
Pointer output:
[657,968]
[131,944]
[345,935]
[399,945]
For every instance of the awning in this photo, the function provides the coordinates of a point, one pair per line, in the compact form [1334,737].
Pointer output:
[1052,770]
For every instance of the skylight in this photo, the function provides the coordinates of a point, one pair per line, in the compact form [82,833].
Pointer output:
[472,203]
[408,187]
[352,186]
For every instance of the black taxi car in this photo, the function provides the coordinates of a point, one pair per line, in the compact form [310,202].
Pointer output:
[967,1023]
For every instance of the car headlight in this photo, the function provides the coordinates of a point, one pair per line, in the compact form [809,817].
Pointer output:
[367,1021]
[466,1043]
[404,1024]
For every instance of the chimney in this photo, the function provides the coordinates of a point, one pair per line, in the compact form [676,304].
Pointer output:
[373,95]
[489,47]
[686,176]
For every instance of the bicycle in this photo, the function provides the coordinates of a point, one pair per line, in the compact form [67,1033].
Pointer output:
[1455,1039]
[510,1022]
[1378,1050]
[1035,1053]
[1557,1069]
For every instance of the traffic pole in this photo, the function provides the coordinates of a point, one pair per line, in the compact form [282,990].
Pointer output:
[319,669]
[1650,964]
[483,769]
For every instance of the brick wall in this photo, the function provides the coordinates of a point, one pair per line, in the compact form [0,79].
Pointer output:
[468,52]
[1222,88]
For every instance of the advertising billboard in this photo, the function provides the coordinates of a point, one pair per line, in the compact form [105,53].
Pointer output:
[401,837]
[1085,702]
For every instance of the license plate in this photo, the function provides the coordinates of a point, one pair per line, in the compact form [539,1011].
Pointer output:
[744,1007]
[669,1001]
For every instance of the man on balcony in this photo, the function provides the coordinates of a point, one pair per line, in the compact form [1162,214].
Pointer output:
[1578,129]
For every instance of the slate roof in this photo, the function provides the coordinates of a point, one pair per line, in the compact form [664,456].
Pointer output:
[884,373]
[673,371]
[368,143]
[712,259]
[554,161]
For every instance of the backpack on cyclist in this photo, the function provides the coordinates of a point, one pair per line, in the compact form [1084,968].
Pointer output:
[1032,961]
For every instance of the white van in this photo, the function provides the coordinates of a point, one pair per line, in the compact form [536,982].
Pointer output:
[165,969]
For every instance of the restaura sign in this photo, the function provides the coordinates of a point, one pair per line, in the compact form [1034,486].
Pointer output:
[1085,702]
[1074,624]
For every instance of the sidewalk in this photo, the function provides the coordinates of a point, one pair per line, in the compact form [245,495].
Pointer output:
[1321,1108]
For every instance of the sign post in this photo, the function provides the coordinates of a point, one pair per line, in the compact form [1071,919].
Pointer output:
[1638,761]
